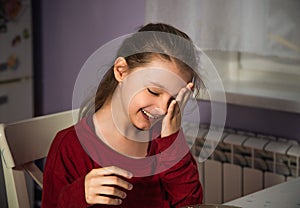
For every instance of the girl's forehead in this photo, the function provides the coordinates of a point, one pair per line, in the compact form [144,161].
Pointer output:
[169,65]
[172,65]
[158,77]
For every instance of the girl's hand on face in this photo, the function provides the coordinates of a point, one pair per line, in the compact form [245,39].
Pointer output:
[101,185]
[172,121]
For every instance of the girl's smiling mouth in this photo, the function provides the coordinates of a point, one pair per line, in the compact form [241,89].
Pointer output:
[149,115]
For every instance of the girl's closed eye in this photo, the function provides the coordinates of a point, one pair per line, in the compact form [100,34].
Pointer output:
[152,92]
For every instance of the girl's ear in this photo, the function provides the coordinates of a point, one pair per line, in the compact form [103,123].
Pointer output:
[120,69]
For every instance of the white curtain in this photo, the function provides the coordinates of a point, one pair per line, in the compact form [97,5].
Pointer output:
[265,27]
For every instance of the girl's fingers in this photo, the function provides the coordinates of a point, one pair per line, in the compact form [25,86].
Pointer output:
[172,121]
[183,95]
[110,176]
[111,191]
[190,85]
[168,125]
[180,95]
[112,170]
[110,194]
[171,109]
[100,199]
[101,185]
[112,180]
[179,103]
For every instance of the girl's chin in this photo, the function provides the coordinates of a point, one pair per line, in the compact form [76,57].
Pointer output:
[142,123]
[149,126]
[142,127]
[145,124]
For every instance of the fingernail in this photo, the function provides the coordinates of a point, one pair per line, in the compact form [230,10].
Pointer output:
[119,201]
[130,186]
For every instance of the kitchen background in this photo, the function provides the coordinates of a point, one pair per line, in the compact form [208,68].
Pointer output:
[65,33]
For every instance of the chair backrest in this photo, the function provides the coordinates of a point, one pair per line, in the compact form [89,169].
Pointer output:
[21,144]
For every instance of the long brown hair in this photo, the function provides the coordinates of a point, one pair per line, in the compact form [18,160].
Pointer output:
[139,50]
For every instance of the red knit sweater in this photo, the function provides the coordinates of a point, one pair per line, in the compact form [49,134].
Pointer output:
[68,163]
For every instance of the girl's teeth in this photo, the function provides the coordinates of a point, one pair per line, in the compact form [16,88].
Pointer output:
[148,114]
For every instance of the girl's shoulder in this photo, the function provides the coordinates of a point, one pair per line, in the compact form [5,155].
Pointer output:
[63,141]
[67,135]
[67,139]
[66,154]
[72,133]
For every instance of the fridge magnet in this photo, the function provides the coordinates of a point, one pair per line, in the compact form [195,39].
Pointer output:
[16,40]
[25,33]
[11,8]
[3,99]
[3,20]
[3,67]
[12,62]
[3,28]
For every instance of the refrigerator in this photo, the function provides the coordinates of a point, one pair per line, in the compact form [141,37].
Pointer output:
[16,67]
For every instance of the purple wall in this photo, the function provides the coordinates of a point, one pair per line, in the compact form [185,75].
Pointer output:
[261,121]
[71,31]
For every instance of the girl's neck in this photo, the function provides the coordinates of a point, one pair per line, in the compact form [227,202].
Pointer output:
[107,131]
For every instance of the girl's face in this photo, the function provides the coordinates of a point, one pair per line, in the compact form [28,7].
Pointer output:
[158,83]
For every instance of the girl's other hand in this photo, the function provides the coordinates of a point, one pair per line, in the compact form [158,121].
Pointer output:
[101,185]
[172,121]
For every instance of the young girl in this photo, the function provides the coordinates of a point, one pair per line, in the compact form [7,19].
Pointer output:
[128,149]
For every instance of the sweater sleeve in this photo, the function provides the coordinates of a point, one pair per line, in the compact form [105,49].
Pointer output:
[181,179]
[63,183]
[182,184]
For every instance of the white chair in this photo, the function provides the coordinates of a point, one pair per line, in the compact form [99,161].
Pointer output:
[21,144]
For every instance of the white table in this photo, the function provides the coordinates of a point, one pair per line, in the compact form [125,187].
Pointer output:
[284,195]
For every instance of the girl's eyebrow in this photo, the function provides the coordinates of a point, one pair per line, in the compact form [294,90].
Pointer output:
[156,84]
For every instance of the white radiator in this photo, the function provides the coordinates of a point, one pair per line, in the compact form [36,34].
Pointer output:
[242,163]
